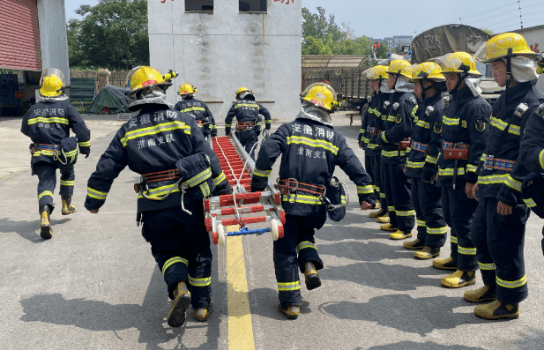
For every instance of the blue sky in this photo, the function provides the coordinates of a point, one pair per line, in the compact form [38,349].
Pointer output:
[378,19]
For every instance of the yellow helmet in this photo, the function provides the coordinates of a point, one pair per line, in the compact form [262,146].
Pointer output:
[187,89]
[400,67]
[52,82]
[242,90]
[380,72]
[428,70]
[499,46]
[368,73]
[143,77]
[321,95]
[458,62]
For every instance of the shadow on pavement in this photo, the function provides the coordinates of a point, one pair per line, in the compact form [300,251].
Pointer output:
[408,345]
[532,339]
[28,230]
[370,251]
[347,229]
[404,313]
[393,277]
[264,302]
[149,318]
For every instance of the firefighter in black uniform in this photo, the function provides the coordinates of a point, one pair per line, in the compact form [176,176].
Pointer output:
[368,123]
[48,125]
[464,131]
[310,150]
[394,141]
[177,165]
[374,149]
[189,104]
[246,111]
[498,229]
[432,228]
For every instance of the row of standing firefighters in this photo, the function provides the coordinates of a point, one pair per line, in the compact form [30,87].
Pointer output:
[469,166]
[167,147]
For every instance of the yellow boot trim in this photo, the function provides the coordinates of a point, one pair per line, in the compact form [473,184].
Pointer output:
[479,295]
[203,313]
[384,219]
[67,209]
[375,214]
[413,245]
[309,269]
[441,262]
[427,253]
[45,226]
[182,300]
[388,227]
[488,311]
[291,312]
[454,280]
[378,205]
[398,235]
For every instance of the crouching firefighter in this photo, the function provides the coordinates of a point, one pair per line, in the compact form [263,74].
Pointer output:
[48,125]
[310,150]
[247,128]
[178,169]
[498,228]
[201,112]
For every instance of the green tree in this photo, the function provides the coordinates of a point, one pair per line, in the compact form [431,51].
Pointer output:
[112,34]
[314,46]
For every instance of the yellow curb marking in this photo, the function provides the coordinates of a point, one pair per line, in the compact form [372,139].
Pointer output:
[239,321]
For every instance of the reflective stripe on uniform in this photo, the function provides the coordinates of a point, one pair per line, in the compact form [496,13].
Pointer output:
[246,105]
[268,121]
[437,231]
[365,189]
[305,244]
[288,286]
[431,160]
[487,267]
[530,202]
[205,189]
[84,144]
[384,138]
[514,129]
[450,121]
[390,154]
[391,118]
[449,171]
[44,152]
[504,179]
[45,193]
[262,173]
[200,282]
[96,194]
[415,165]
[421,223]
[513,183]
[406,213]
[471,168]
[541,159]
[391,209]
[67,182]
[174,260]
[466,251]
[190,109]
[373,146]
[302,199]
[154,193]
[454,239]
[153,130]
[512,284]
[199,178]
[423,124]
[499,124]
[49,120]
[222,177]
[228,125]
[382,195]
[312,143]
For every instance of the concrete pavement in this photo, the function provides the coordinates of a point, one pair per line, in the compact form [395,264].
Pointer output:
[95,284]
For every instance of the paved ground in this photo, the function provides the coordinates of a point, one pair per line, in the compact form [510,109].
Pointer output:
[96,286]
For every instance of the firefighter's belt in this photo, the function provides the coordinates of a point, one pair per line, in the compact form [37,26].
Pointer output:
[421,147]
[46,147]
[291,187]
[245,126]
[499,164]
[404,144]
[457,151]
[375,132]
[156,177]
[202,123]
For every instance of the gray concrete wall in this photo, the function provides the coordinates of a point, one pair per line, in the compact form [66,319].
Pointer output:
[223,51]
[53,37]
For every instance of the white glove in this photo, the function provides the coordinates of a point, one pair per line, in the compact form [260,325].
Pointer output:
[266,133]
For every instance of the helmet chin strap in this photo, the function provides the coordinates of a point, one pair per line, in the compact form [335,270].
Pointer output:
[508,72]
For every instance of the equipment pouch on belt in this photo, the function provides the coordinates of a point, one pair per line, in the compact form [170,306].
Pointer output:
[196,176]
[459,154]
[69,151]
[403,145]
[336,199]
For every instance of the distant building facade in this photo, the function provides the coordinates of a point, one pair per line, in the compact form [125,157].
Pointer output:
[394,40]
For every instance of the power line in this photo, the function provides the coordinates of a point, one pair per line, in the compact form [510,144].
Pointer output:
[487,11]
[520,15]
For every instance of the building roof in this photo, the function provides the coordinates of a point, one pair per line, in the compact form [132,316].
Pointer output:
[317,61]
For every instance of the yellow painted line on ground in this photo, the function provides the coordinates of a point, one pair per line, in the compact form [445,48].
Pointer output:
[239,322]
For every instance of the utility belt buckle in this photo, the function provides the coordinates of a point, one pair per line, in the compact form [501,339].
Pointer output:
[292,192]
[489,162]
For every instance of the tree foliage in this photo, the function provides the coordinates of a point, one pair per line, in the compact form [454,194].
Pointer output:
[321,35]
[112,34]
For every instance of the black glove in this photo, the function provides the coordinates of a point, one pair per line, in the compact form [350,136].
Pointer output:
[86,151]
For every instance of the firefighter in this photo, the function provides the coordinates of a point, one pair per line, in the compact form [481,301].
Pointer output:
[310,150]
[464,129]
[368,125]
[48,125]
[498,229]
[201,112]
[426,143]
[376,127]
[395,140]
[176,165]
[246,111]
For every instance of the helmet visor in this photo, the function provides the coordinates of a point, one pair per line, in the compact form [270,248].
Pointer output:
[368,74]
[49,72]
[129,76]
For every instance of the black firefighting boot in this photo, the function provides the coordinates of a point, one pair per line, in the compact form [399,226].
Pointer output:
[182,300]
[427,253]
[291,312]
[459,279]
[202,314]
[311,276]
[67,207]
[486,293]
[45,226]
[445,263]
[497,310]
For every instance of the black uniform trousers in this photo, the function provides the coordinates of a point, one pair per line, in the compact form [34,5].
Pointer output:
[459,210]
[47,177]
[370,171]
[248,138]
[499,242]
[399,197]
[378,168]
[431,225]
[181,248]
[298,240]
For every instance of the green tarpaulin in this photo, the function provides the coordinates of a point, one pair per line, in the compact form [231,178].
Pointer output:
[111,100]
